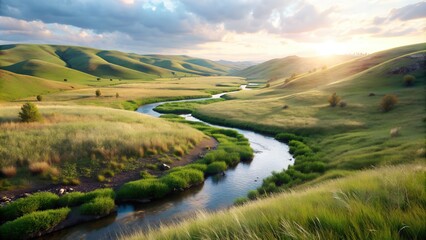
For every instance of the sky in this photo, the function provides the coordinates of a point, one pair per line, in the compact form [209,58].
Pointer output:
[235,30]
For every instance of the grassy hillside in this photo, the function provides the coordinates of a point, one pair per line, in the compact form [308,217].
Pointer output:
[388,203]
[292,65]
[15,86]
[55,62]
[355,136]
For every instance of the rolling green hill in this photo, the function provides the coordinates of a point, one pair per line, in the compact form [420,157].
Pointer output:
[284,67]
[55,62]
[15,86]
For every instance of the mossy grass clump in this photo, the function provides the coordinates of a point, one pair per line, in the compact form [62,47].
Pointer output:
[216,167]
[99,206]
[33,223]
[78,198]
[32,203]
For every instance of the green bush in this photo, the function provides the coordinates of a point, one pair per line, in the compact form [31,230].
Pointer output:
[240,201]
[29,113]
[197,166]
[388,102]
[99,206]
[216,167]
[32,223]
[98,93]
[39,98]
[22,206]
[409,80]
[142,189]
[174,181]
[101,192]
[253,194]
[72,199]
[191,176]
[333,100]
[78,198]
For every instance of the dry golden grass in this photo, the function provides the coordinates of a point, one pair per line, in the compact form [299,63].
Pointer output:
[39,167]
[9,171]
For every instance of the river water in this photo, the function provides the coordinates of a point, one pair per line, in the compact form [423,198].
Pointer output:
[216,193]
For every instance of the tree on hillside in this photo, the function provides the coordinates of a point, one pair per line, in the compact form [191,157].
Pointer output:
[388,102]
[98,93]
[29,113]
[333,100]
[409,80]
[39,98]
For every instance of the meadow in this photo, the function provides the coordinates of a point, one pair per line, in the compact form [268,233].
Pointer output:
[73,142]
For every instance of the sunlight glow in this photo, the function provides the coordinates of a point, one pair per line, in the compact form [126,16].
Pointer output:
[330,48]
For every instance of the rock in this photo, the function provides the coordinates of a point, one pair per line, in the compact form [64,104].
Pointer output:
[371,94]
[26,194]
[71,189]
[394,132]
[5,199]
[164,167]
[61,191]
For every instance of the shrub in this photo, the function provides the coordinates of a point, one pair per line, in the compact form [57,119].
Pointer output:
[39,167]
[117,95]
[98,93]
[72,199]
[39,98]
[65,80]
[74,181]
[191,176]
[108,173]
[199,166]
[175,182]
[37,201]
[240,201]
[253,194]
[8,171]
[333,100]
[101,192]
[99,206]
[30,224]
[29,113]
[143,189]
[342,104]
[409,80]
[216,167]
[98,79]
[388,102]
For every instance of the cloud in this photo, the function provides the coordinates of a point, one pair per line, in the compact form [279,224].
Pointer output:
[409,12]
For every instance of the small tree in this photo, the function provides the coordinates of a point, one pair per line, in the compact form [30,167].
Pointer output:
[333,100]
[388,102]
[29,113]
[98,79]
[39,98]
[409,80]
[117,95]
[65,80]
[98,93]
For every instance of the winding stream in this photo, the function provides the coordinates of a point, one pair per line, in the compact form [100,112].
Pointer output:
[216,192]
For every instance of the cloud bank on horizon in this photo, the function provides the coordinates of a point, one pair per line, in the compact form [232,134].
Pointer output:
[217,29]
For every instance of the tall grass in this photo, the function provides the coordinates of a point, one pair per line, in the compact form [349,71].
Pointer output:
[387,203]
[89,137]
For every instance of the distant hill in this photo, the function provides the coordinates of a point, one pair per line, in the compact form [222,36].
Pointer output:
[56,62]
[238,65]
[283,67]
